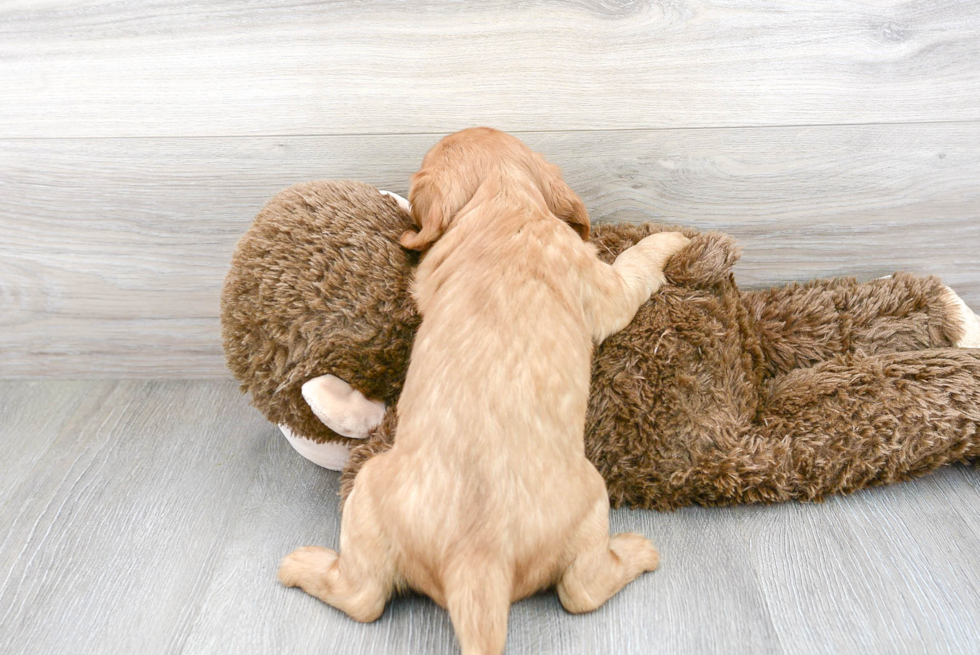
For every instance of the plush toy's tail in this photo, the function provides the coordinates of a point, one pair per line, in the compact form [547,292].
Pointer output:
[842,425]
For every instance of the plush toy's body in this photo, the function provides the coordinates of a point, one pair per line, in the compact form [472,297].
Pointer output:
[709,396]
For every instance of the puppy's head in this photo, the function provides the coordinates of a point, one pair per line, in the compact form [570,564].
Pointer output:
[457,166]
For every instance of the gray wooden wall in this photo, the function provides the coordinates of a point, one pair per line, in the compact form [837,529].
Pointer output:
[138,139]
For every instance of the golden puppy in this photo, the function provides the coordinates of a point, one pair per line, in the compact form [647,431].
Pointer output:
[486,496]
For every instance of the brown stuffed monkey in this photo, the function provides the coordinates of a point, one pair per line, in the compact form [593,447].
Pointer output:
[711,395]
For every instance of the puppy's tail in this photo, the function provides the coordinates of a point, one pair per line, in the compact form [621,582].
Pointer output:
[478,600]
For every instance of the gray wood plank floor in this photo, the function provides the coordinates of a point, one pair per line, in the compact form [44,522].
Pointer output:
[149,517]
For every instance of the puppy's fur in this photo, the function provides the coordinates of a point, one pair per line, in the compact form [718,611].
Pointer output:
[487,496]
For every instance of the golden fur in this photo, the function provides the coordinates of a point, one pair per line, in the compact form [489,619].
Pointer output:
[487,496]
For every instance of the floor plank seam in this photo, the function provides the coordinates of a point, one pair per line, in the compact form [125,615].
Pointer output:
[610,130]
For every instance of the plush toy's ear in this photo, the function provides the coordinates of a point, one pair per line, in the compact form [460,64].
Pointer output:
[431,209]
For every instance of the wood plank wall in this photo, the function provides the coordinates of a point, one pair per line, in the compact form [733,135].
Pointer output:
[137,140]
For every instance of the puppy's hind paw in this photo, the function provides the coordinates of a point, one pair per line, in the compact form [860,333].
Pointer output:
[306,567]
[635,550]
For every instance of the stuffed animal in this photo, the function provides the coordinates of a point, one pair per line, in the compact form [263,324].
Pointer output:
[711,395]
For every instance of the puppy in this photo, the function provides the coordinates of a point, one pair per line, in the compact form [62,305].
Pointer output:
[486,496]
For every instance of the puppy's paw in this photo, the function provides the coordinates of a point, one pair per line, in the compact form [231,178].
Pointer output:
[665,245]
[659,248]
[967,319]
[654,252]
[635,550]
[671,242]
[306,567]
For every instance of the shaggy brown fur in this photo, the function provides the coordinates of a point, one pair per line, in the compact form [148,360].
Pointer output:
[710,396]
[289,310]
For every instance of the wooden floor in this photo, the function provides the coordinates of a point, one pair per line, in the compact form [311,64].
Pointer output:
[149,517]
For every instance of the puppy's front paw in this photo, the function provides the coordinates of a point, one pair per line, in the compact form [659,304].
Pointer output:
[655,250]
[665,245]
[305,566]
[635,550]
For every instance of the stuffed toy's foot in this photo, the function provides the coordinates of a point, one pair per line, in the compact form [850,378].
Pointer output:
[401,201]
[969,320]
[331,455]
[341,407]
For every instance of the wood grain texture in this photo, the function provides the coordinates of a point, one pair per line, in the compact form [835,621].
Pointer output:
[150,517]
[235,67]
[114,267]
[32,415]
[875,560]
[112,533]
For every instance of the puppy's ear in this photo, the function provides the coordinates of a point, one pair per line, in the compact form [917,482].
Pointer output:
[430,211]
[566,205]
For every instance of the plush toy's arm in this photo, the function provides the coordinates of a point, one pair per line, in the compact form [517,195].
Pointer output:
[341,407]
[613,293]
[801,325]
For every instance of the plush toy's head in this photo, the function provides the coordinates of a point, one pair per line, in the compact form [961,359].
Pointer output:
[319,284]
